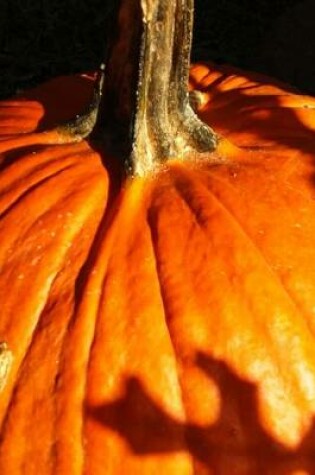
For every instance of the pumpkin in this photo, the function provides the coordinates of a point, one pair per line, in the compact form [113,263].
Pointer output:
[158,320]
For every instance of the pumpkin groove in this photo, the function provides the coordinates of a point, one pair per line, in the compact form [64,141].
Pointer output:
[161,323]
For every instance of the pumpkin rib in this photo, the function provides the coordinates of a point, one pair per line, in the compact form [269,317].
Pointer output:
[167,311]
[20,381]
[16,104]
[185,362]
[298,190]
[106,224]
[71,353]
[50,137]
[76,187]
[236,78]
[72,460]
[36,188]
[75,322]
[15,180]
[25,169]
[28,139]
[285,166]
[179,364]
[261,255]
[267,101]
[86,385]
[18,116]
[242,230]
[99,275]
[96,204]
[68,455]
[15,386]
[40,183]
[31,189]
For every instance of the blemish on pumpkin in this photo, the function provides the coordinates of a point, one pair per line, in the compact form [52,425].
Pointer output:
[6,358]
[35,260]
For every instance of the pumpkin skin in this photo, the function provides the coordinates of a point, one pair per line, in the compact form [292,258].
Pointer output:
[161,324]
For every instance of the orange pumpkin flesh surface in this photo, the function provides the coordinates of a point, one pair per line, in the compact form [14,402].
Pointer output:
[164,324]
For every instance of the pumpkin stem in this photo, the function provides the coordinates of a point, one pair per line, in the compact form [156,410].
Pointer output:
[145,113]
[82,125]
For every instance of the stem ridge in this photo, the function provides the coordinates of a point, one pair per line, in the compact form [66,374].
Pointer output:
[145,115]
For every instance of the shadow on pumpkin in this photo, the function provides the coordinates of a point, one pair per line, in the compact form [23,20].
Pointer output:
[230,112]
[237,433]
[62,98]
[259,106]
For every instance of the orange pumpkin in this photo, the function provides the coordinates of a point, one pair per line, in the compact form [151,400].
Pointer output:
[162,323]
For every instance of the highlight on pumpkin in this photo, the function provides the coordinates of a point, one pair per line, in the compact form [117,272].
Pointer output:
[157,276]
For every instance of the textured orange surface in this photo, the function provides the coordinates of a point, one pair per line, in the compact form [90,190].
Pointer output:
[164,325]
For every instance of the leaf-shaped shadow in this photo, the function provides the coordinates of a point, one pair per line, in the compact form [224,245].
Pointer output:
[237,434]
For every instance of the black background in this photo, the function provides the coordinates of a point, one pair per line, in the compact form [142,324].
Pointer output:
[43,38]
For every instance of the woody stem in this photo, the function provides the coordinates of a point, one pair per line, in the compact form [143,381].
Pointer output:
[145,114]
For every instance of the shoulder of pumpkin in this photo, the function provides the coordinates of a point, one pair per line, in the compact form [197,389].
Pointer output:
[247,107]
[41,107]
[241,105]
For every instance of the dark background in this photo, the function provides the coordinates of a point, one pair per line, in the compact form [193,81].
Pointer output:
[43,38]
